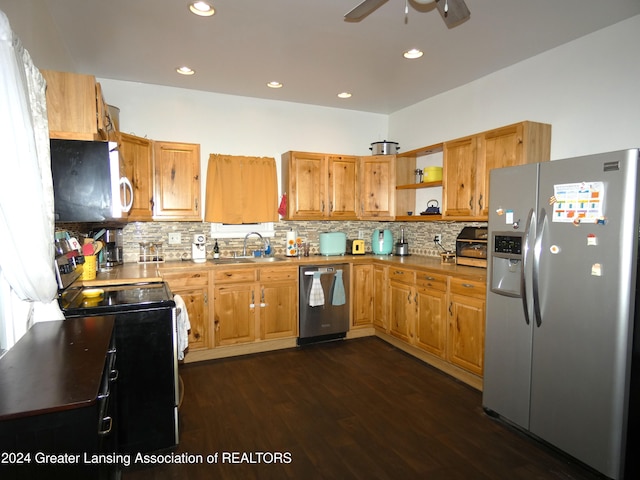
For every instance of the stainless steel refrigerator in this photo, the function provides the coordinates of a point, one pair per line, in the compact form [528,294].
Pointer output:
[561,354]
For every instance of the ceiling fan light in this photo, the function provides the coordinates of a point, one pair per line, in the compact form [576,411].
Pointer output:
[202,9]
[413,54]
[184,70]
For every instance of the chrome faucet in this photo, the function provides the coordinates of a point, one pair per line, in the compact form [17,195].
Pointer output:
[244,246]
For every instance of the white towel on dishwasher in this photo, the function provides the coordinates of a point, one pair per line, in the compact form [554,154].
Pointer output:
[316,294]
[182,319]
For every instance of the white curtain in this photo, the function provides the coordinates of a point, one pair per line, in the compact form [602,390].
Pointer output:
[27,277]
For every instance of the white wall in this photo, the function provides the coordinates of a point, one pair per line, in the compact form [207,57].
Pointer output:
[588,90]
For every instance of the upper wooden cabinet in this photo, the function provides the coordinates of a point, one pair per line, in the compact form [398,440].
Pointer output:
[76,108]
[319,186]
[467,162]
[177,181]
[377,182]
[137,156]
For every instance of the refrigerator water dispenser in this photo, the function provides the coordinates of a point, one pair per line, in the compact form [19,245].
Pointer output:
[506,264]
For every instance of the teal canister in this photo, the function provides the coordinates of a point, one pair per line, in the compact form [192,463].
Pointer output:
[382,242]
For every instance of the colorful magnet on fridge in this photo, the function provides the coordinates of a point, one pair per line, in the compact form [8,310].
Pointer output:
[552,199]
[554,249]
[596,270]
[601,221]
[592,240]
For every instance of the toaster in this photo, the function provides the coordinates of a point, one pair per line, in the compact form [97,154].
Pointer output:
[355,247]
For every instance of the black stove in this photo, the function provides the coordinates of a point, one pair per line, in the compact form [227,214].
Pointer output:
[80,301]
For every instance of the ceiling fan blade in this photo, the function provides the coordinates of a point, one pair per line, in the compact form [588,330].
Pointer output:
[364,9]
[457,12]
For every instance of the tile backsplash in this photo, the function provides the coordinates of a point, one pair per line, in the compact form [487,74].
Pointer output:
[419,236]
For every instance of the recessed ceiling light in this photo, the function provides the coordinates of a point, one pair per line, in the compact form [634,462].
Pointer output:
[344,95]
[201,8]
[412,54]
[274,85]
[185,71]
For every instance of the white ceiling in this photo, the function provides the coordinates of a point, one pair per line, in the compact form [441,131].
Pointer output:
[308,46]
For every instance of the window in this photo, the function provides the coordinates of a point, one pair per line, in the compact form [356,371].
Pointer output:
[224,230]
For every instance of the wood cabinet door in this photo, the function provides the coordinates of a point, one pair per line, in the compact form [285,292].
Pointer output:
[431,321]
[502,147]
[137,156]
[377,179]
[459,178]
[362,295]
[402,311]
[177,181]
[278,304]
[71,105]
[234,310]
[342,195]
[466,332]
[307,185]
[195,298]
[380,302]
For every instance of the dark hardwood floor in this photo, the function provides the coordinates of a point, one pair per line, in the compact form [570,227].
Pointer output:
[356,409]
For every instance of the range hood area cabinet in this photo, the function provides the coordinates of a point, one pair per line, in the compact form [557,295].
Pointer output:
[76,108]
[165,177]
[320,186]
[467,162]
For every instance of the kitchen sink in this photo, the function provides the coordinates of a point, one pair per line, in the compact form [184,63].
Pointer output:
[231,261]
[267,259]
[236,260]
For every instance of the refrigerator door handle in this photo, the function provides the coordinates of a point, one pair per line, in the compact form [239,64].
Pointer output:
[529,230]
[537,251]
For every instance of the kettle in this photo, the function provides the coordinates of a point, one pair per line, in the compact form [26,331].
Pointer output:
[382,242]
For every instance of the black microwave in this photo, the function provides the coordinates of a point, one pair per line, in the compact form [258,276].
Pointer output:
[89,184]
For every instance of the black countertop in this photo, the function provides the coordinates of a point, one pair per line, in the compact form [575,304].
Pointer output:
[55,366]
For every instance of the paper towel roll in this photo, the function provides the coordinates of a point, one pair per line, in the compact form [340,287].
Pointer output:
[291,249]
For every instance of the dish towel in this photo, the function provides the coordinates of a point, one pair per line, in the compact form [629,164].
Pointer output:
[338,297]
[316,294]
[182,319]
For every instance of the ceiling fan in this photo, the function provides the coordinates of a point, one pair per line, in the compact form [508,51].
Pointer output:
[453,12]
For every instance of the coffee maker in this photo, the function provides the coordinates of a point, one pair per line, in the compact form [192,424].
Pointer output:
[199,248]
[112,253]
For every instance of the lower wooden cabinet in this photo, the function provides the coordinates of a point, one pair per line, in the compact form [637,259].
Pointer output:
[362,295]
[431,318]
[467,324]
[443,316]
[263,306]
[380,297]
[193,287]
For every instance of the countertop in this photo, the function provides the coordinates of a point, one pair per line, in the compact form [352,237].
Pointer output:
[130,273]
[55,366]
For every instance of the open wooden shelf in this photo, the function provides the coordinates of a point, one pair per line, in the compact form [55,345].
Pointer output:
[413,186]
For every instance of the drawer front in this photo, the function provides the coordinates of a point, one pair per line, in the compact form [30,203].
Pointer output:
[431,281]
[235,275]
[278,273]
[185,279]
[470,288]
[402,275]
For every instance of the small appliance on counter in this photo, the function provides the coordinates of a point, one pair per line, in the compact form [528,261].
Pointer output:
[402,247]
[355,247]
[382,242]
[112,252]
[471,247]
[333,243]
[199,248]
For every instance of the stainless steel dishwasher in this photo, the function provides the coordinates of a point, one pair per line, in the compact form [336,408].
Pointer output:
[324,303]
